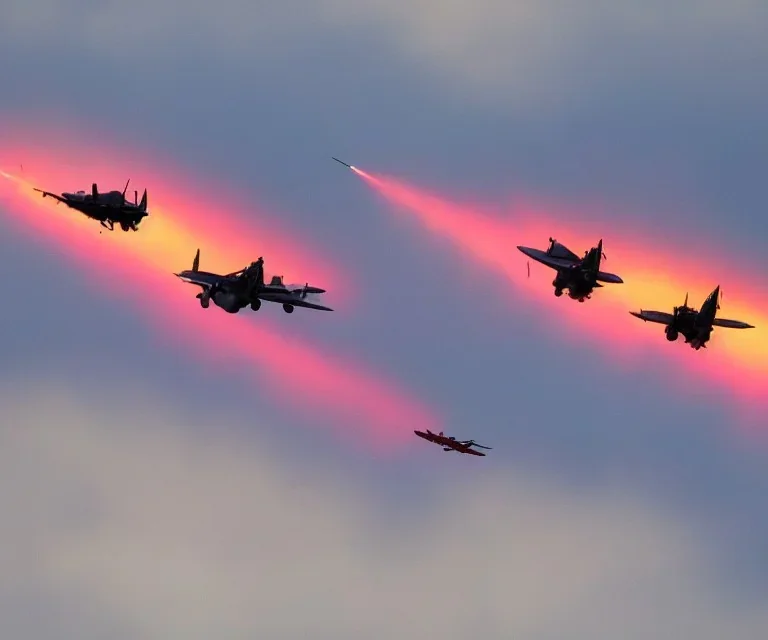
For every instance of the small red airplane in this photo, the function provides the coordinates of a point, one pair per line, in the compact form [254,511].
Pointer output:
[449,443]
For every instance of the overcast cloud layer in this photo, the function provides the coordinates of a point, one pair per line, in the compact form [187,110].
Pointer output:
[132,527]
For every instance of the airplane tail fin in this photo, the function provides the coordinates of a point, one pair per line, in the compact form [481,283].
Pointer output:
[143,203]
[196,261]
[709,308]
[593,258]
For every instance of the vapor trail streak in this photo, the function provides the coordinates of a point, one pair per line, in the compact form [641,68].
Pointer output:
[138,267]
[655,278]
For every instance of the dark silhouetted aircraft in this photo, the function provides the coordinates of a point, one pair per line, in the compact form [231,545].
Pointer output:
[451,444]
[109,208]
[237,290]
[579,275]
[696,326]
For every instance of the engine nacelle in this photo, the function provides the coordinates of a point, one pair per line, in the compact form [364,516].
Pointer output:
[227,301]
[288,308]
[672,334]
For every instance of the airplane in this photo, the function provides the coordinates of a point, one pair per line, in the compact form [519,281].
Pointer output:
[449,443]
[108,208]
[579,275]
[237,290]
[696,326]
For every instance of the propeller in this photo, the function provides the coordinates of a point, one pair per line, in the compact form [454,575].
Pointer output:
[304,291]
[528,265]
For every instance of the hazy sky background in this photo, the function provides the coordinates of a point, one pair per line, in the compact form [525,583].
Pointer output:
[148,495]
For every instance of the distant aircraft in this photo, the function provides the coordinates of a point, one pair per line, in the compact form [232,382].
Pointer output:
[108,208]
[696,326]
[237,290]
[450,443]
[579,275]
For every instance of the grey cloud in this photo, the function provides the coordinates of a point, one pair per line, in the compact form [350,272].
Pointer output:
[163,531]
[531,53]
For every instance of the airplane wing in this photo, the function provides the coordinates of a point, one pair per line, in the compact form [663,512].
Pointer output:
[731,324]
[654,316]
[201,279]
[604,276]
[550,261]
[472,452]
[309,305]
[50,195]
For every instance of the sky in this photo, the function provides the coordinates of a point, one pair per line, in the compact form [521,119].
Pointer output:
[173,472]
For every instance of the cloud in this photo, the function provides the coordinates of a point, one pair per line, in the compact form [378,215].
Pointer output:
[138,521]
[529,52]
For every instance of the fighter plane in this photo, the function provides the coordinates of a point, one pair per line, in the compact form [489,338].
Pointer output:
[449,443]
[237,290]
[108,208]
[579,275]
[696,326]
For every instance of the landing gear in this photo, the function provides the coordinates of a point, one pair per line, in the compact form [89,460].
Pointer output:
[205,299]
[288,308]
[558,292]
[256,305]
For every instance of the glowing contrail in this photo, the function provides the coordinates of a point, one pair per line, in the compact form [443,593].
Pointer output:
[655,278]
[139,267]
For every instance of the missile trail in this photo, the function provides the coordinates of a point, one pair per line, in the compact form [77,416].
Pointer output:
[138,267]
[655,277]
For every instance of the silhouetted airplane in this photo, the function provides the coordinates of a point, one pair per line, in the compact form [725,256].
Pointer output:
[696,326]
[237,290]
[579,275]
[108,208]
[449,443]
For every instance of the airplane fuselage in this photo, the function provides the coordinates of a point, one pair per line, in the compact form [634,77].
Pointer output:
[579,283]
[107,208]
[696,330]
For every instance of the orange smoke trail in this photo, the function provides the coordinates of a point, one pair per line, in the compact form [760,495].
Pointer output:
[139,267]
[655,277]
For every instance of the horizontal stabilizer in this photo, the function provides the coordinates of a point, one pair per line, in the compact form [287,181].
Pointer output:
[309,290]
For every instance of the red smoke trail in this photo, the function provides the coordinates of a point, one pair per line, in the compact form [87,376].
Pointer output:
[655,277]
[139,267]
